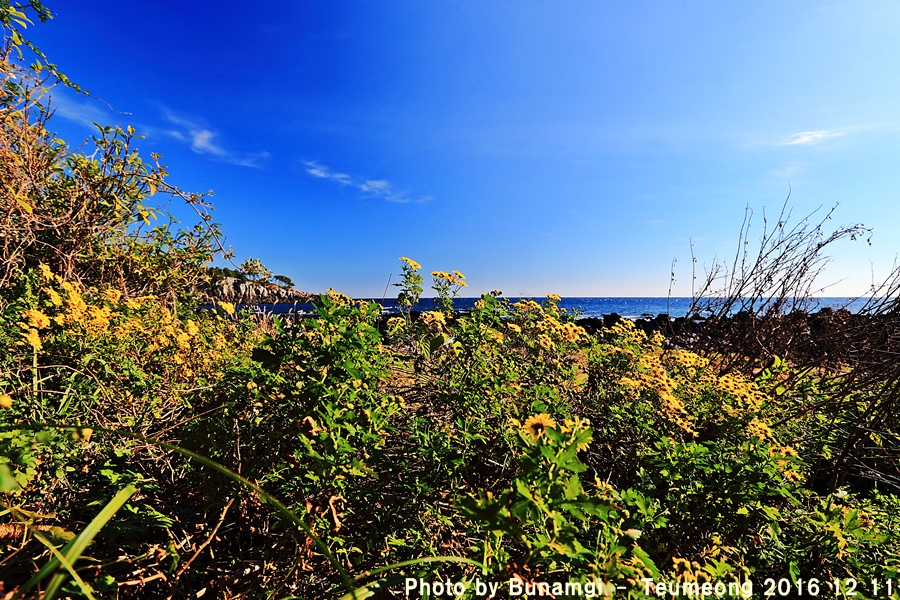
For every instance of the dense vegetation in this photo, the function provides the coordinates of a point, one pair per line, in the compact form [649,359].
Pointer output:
[151,450]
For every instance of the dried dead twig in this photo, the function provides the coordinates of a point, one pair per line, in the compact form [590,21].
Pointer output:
[206,542]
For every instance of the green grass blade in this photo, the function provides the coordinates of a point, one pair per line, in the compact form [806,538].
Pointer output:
[421,561]
[75,548]
[85,588]
[264,495]
[373,588]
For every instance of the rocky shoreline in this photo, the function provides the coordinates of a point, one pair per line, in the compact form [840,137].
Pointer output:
[825,337]
[236,291]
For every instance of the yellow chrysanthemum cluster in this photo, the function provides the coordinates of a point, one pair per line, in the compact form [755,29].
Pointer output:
[33,338]
[112,296]
[525,306]
[787,467]
[37,319]
[394,323]
[545,326]
[746,393]
[689,571]
[650,374]
[433,320]
[758,429]
[638,366]
[454,278]
[412,264]
[77,312]
[338,298]
[73,310]
[689,386]
[137,303]
[74,304]
[139,326]
[686,359]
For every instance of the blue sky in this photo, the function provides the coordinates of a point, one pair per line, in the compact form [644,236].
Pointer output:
[544,146]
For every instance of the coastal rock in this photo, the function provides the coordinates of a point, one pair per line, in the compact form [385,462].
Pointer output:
[231,289]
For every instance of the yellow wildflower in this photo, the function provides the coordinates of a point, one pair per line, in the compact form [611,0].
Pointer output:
[46,272]
[553,298]
[451,278]
[412,264]
[98,319]
[536,424]
[228,307]
[192,328]
[112,296]
[434,316]
[55,298]
[34,339]
[37,319]
[136,303]
[74,303]
[338,298]
[434,320]
[758,429]
[183,340]
[793,476]
[527,306]
[573,332]
[6,401]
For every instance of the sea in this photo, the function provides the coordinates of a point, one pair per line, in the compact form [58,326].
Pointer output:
[630,308]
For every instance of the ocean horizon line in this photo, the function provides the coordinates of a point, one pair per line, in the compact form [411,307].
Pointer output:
[630,307]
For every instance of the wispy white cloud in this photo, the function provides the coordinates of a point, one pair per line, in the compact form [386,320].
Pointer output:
[317,170]
[376,188]
[810,137]
[202,140]
[86,112]
[382,188]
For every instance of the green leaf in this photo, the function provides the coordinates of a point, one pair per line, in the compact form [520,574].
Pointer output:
[794,570]
[645,558]
[25,206]
[435,343]
[573,488]
[8,483]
